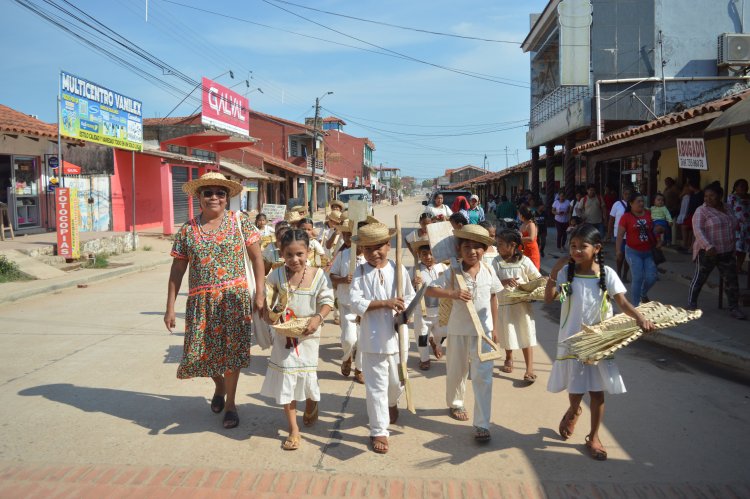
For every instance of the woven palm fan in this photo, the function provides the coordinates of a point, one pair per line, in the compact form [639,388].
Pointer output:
[526,292]
[292,328]
[445,305]
[602,340]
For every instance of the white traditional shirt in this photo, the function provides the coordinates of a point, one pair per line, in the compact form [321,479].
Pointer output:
[340,268]
[482,288]
[377,333]
[429,275]
[442,211]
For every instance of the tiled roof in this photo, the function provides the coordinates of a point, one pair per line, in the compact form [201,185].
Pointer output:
[12,121]
[278,162]
[702,112]
[172,120]
[489,177]
[282,120]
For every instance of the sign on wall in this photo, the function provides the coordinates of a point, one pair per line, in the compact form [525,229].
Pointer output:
[224,108]
[68,223]
[274,212]
[96,114]
[691,154]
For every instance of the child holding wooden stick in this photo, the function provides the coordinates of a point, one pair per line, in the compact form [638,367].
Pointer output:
[427,328]
[513,268]
[483,286]
[584,284]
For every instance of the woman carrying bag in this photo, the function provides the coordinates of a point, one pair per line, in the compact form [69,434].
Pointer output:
[636,228]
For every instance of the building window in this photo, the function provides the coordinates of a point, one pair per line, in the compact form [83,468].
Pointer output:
[293,147]
[303,150]
[177,149]
[203,154]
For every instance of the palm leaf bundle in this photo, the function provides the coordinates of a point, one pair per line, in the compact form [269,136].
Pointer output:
[602,340]
[527,292]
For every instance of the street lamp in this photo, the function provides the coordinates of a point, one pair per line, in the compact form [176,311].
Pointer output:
[313,197]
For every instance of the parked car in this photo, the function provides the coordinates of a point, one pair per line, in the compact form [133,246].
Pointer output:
[358,194]
[448,196]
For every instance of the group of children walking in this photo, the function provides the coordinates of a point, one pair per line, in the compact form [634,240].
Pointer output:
[471,286]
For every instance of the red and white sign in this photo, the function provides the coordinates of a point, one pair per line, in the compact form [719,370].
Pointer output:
[67,223]
[691,154]
[71,169]
[224,108]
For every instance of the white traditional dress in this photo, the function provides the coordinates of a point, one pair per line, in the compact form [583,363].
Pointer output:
[349,328]
[517,328]
[586,305]
[292,372]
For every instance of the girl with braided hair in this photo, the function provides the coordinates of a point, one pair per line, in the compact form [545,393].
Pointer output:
[584,286]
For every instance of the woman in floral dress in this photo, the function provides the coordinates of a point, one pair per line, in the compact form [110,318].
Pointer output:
[220,304]
[738,204]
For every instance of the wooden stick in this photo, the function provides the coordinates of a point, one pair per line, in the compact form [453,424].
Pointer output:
[403,329]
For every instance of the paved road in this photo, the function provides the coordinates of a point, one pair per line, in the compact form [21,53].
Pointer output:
[89,404]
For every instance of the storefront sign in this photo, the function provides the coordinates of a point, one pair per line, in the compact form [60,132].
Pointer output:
[345,182]
[52,161]
[94,113]
[691,154]
[274,212]
[224,108]
[250,185]
[71,169]
[68,223]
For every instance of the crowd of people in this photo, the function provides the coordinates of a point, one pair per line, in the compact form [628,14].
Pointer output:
[282,283]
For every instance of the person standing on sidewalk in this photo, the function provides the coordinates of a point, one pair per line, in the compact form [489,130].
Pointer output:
[219,305]
[738,204]
[637,230]
[528,231]
[475,212]
[561,210]
[593,209]
[438,211]
[618,209]
[714,246]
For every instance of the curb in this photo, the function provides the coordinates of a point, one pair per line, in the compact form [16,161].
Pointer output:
[726,356]
[69,283]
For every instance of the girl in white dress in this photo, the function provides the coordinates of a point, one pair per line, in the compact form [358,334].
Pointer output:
[292,368]
[513,268]
[584,285]
[491,253]
[317,255]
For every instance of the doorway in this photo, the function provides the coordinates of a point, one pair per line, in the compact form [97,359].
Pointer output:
[6,177]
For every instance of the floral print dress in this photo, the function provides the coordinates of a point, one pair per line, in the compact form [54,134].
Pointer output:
[740,208]
[217,333]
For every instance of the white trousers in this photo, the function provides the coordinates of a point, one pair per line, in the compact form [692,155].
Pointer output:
[426,327]
[349,333]
[462,355]
[382,389]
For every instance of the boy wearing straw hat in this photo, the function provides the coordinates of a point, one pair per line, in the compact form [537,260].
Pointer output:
[374,298]
[341,277]
[427,328]
[483,285]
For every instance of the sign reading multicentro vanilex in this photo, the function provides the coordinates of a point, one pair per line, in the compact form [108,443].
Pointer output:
[224,108]
[691,154]
[96,114]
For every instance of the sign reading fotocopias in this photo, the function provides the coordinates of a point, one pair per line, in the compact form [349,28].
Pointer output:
[68,223]
[224,108]
[97,114]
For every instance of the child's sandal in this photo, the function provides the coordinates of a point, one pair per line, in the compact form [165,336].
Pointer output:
[596,453]
[309,419]
[507,366]
[379,445]
[459,414]
[482,434]
[292,442]
[568,423]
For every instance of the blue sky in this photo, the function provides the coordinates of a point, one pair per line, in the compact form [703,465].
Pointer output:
[380,97]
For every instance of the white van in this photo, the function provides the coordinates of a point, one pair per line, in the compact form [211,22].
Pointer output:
[358,194]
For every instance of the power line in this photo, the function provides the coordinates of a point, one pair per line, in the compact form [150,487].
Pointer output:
[439,33]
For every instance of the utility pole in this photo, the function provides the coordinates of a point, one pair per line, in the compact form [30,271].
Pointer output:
[313,196]
[506,157]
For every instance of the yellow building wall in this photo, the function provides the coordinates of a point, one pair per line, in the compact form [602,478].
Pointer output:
[739,166]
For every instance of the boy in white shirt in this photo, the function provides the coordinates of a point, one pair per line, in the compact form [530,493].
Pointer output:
[483,285]
[374,299]
[427,328]
[341,277]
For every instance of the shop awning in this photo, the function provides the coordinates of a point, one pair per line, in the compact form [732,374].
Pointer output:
[248,173]
[71,169]
[736,116]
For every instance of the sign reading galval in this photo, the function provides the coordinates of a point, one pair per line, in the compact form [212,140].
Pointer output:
[225,109]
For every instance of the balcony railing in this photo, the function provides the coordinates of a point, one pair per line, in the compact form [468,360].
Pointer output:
[561,98]
[318,163]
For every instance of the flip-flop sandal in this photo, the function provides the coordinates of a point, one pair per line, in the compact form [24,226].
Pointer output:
[292,442]
[231,420]
[459,414]
[436,350]
[393,414]
[482,434]
[309,419]
[507,366]
[217,403]
[568,423]
[379,445]
[346,367]
[598,454]
[424,366]
[529,377]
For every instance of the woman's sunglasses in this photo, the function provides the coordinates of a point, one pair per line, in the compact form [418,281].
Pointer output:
[209,194]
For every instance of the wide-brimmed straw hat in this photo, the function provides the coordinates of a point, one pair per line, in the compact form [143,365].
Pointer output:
[346,226]
[212,179]
[292,217]
[299,209]
[336,216]
[419,243]
[337,205]
[371,220]
[474,232]
[373,234]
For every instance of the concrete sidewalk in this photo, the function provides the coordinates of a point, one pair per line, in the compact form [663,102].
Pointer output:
[716,337]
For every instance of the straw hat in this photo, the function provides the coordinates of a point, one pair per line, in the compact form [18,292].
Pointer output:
[346,225]
[212,179]
[474,232]
[337,205]
[371,220]
[336,216]
[420,243]
[373,234]
[302,210]
[292,217]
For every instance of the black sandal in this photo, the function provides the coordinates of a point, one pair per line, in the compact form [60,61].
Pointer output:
[217,403]
[231,420]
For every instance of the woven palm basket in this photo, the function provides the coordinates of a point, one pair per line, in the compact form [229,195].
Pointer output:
[276,302]
[445,305]
[527,292]
[266,240]
[292,328]
[598,342]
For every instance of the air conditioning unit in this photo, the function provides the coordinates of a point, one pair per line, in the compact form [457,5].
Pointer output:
[734,49]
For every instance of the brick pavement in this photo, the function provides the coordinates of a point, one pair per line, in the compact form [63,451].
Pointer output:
[98,480]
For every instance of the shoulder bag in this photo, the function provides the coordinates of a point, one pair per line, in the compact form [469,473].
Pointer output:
[262,331]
